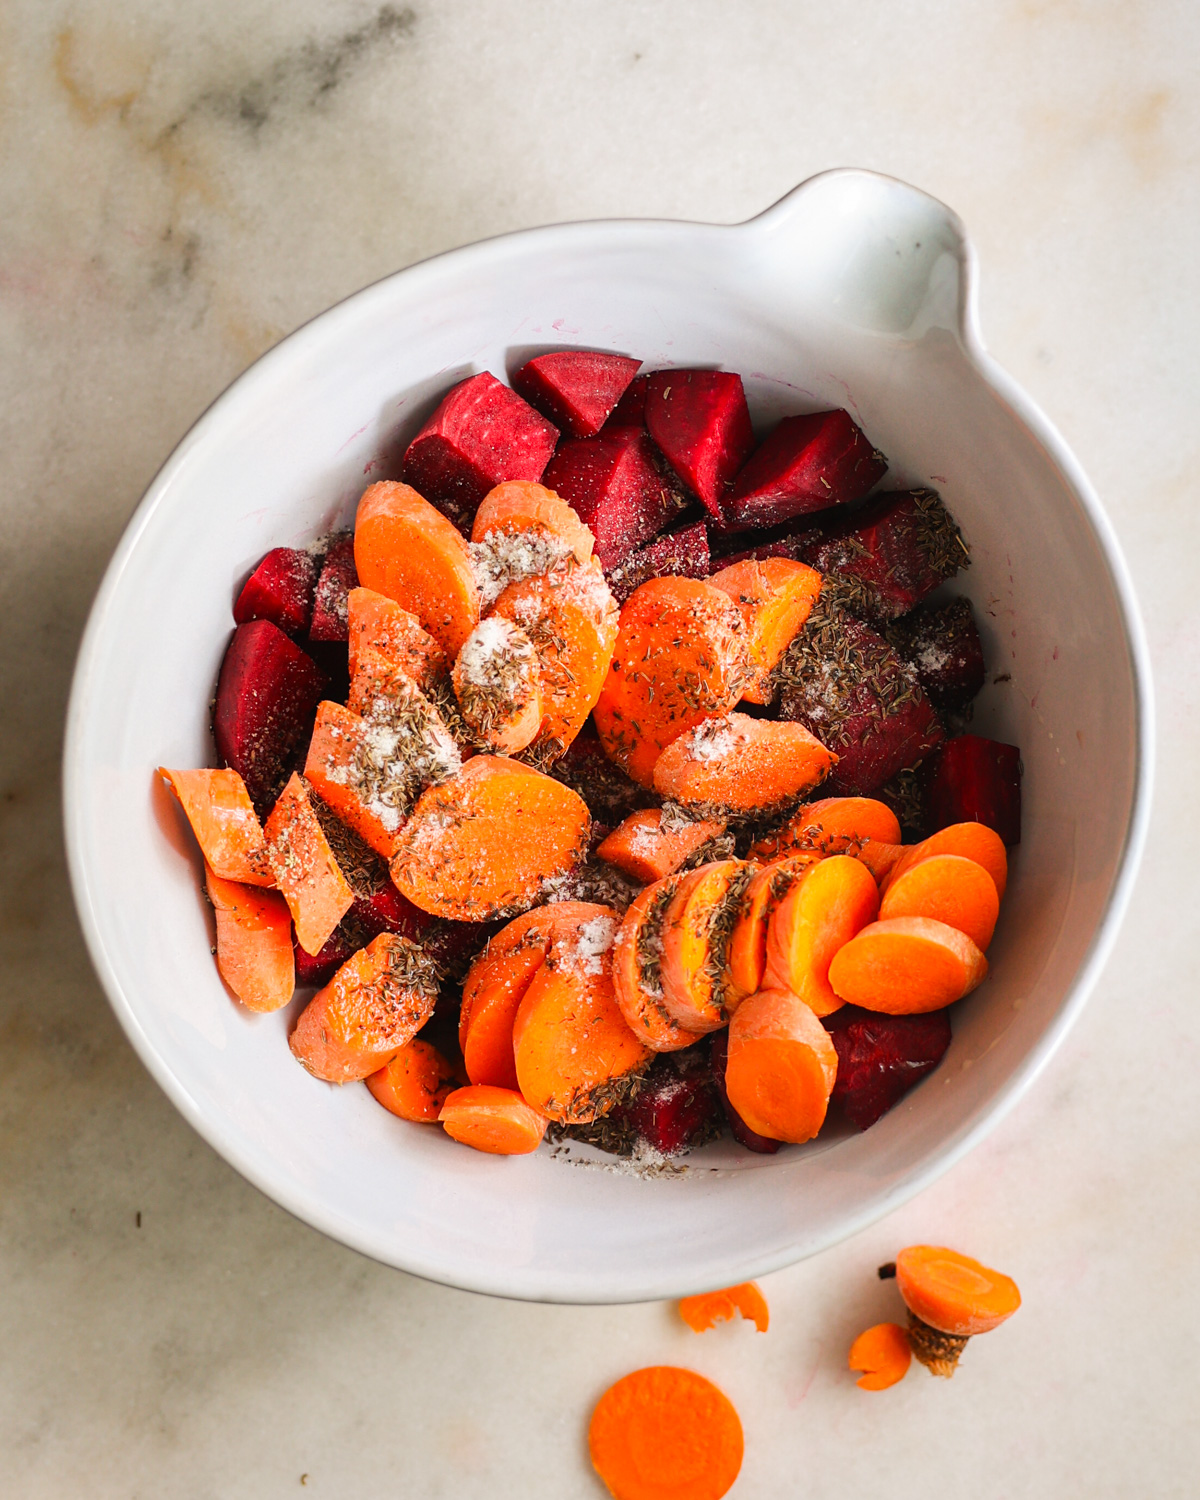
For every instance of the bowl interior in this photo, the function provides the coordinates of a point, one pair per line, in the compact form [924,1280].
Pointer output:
[851,293]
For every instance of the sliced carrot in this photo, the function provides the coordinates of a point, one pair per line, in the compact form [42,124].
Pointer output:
[970,840]
[827,904]
[518,505]
[907,965]
[695,943]
[880,859]
[571,617]
[376,1003]
[710,1308]
[680,658]
[775,597]
[380,624]
[834,825]
[781,1066]
[306,870]
[747,961]
[649,846]
[664,1433]
[226,826]
[637,977]
[482,844]
[355,782]
[954,1293]
[949,889]
[409,552]
[499,685]
[494,1120]
[742,765]
[416,1083]
[884,1353]
[254,943]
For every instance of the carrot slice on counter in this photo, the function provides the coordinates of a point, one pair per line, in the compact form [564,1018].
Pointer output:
[884,1353]
[254,943]
[742,765]
[374,1005]
[747,959]
[495,1120]
[636,969]
[949,889]
[482,843]
[226,826]
[828,903]
[781,1066]
[680,658]
[833,825]
[710,1308]
[519,505]
[409,552]
[416,1083]
[665,1433]
[695,943]
[498,682]
[380,624]
[907,965]
[649,846]
[970,840]
[305,868]
[775,596]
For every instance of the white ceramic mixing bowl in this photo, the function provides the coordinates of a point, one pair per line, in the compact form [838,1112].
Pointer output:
[853,291]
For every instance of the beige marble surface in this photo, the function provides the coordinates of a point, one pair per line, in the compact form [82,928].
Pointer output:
[180,185]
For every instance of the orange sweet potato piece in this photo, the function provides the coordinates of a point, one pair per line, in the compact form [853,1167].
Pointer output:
[695,942]
[416,1083]
[680,658]
[254,943]
[380,624]
[306,871]
[646,849]
[833,825]
[519,505]
[226,826]
[636,969]
[906,966]
[498,682]
[828,903]
[970,840]
[747,959]
[949,889]
[409,552]
[742,765]
[775,596]
[495,1120]
[710,1308]
[781,1066]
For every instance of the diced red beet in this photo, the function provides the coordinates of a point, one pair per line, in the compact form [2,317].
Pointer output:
[973,780]
[881,1057]
[610,795]
[481,434]
[280,590]
[894,552]
[454,945]
[267,696]
[330,616]
[616,487]
[700,420]
[384,909]
[682,554]
[741,1131]
[944,646]
[318,969]
[630,410]
[576,388]
[677,1105]
[808,463]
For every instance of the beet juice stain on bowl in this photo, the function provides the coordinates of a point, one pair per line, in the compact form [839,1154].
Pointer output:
[813,293]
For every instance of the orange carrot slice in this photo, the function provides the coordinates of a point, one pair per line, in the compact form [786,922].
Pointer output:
[650,847]
[827,904]
[949,889]
[416,1083]
[970,840]
[834,825]
[695,943]
[518,505]
[409,552]
[494,1120]
[884,1353]
[710,1308]
[482,844]
[680,658]
[747,961]
[954,1293]
[742,765]
[499,685]
[907,965]
[636,968]
[664,1433]
[376,1003]
[306,871]
[775,597]
[781,1066]
[347,771]
[226,826]
[254,943]
[378,623]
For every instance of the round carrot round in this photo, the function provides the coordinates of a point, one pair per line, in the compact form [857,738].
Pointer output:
[971,840]
[906,966]
[737,764]
[954,1293]
[781,1066]
[498,683]
[696,931]
[949,889]
[710,1308]
[827,904]
[645,849]
[498,1121]
[883,1353]
[636,970]
[832,825]
[520,505]
[664,1433]
[775,596]
[748,943]
[416,1083]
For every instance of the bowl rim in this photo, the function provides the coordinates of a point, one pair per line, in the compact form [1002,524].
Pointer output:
[956,1146]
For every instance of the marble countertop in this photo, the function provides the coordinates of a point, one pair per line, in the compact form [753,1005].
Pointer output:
[181,186]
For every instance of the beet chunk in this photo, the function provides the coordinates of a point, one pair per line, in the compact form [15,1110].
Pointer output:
[616,488]
[881,1057]
[280,590]
[742,1133]
[808,463]
[267,696]
[330,616]
[318,969]
[682,554]
[630,410]
[973,780]
[700,420]
[576,389]
[677,1106]
[893,553]
[480,435]
[944,646]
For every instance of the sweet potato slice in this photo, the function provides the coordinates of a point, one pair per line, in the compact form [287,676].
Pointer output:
[775,597]
[378,623]
[637,974]
[808,463]
[576,388]
[226,826]
[650,844]
[832,825]
[254,943]
[498,682]
[416,1083]
[747,958]
[828,903]
[305,868]
[781,1066]
[736,764]
[695,943]
[949,889]
[700,420]
[620,488]
[906,966]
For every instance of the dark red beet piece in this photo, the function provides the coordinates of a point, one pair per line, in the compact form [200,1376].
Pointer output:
[973,780]
[617,489]
[384,909]
[280,590]
[893,553]
[630,410]
[944,647]
[700,420]
[575,388]
[319,968]
[481,434]
[808,463]
[676,1107]
[683,554]
[267,696]
[330,616]
[741,1131]
[881,1057]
